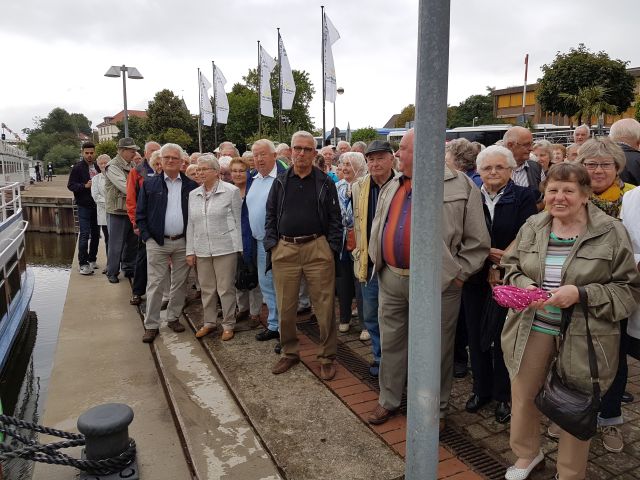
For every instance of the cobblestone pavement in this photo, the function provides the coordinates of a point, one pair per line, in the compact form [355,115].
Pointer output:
[493,436]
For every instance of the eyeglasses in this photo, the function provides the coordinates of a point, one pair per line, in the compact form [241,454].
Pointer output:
[202,170]
[525,145]
[497,169]
[604,165]
[169,157]
[299,149]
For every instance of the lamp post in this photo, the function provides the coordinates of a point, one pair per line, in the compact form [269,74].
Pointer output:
[340,91]
[475,119]
[132,73]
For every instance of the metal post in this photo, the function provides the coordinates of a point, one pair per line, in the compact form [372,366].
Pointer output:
[124,94]
[524,88]
[426,219]
[199,112]
[279,88]
[259,90]
[335,137]
[215,105]
[324,91]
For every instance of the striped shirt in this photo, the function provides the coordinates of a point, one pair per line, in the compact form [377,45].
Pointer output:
[548,319]
[396,235]
[519,175]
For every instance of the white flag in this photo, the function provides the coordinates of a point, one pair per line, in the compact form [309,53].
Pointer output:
[267,64]
[222,103]
[206,112]
[331,36]
[288,84]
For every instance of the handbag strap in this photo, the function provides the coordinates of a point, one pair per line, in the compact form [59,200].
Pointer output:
[593,362]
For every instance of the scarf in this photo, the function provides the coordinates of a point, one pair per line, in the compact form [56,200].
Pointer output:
[362,246]
[610,200]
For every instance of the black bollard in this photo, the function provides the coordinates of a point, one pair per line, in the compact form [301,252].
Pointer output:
[105,428]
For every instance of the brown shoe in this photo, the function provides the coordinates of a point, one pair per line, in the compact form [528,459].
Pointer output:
[284,364]
[135,300]
[254,321]
[227,335]
[176,326]
[150,335]
[206,329]
[380,415]
[327,371]
[240,316]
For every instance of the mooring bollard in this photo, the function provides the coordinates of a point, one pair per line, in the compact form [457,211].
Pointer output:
[105,428]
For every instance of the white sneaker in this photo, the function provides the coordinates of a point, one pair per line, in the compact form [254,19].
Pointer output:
[86,270]
[93,265]
[554,430]
[344,327]
[514,473]
[364,335]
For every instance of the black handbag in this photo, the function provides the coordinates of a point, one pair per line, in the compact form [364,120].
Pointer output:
[246,275]
[572,410]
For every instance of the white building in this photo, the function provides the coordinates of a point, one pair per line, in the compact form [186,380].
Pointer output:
[108,130]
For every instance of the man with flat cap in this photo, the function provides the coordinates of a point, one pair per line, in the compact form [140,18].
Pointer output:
[380,162]
[122,240]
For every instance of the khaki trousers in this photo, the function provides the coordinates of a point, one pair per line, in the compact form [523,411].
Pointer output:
[217,276]
[315,260]
[393,315]
[158,272]
[249,300]
[525,417]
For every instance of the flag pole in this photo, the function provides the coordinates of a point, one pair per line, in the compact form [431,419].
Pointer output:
[524,89]
[199,112]
[279,88]
[259,90]
[324,124]
[215,112]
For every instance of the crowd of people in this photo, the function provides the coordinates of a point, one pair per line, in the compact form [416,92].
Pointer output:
[306,227]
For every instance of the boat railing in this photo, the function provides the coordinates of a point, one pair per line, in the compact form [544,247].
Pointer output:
[10,201]
[15,165]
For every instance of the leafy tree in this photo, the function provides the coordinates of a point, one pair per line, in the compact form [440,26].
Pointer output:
[408,114]
[591,102]
[167,110]
[366,134]
[81,123]
[480,106]
[110,147]
[243,114]
[580,68]
[62,156]
[176,135]
[451,115]
[638,109]
[57,128]
[138,130]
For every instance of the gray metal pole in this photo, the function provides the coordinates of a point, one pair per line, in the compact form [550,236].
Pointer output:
[335,139]
[259,90]
[199,113]
[324,90]
[215,106]
[124,94]
[426,220]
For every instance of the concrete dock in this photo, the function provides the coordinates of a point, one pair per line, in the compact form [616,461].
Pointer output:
[48,206]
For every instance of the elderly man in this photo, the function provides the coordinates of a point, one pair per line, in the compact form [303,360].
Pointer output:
[283,152]
[228,149]
[329,156]
[342,147]
[465,248]
[303,236]
[135,180]
[122,240]
[364,196]
[528,173]
[256,194]
[626,133]
[161,216]
[80,184]
[581,134]
[572,152]
[359,147]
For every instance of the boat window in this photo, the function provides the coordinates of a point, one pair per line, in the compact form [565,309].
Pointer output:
[3,300]
[13,279]
[23,259]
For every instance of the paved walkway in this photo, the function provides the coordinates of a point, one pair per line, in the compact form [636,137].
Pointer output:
[57,188]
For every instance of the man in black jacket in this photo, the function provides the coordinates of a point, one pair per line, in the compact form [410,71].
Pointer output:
[303,236]
[80,184]
[626,133]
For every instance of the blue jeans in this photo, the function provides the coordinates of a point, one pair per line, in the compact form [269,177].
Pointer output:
[88,220]
[370,312]
[268,290]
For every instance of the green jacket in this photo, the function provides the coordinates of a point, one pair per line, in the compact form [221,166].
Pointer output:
[602,261]
[115,185]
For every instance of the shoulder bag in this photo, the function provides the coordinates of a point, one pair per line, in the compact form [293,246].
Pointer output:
[572,410]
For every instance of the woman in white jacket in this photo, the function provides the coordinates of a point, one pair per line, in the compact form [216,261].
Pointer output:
[97,192]
[214,242]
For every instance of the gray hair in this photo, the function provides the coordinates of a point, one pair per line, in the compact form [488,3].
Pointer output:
[359,144]
[281,147]
[104,156]
[247,154]
[209,161]
[358,163]
[545,145]
[151,144]
[264,142]
[171,146]
[464,153]
[302,134]
[496,150]
[154,159]
[582,127]
[229,144]
[341,142]
[602,147]
[224,161]
[625,130]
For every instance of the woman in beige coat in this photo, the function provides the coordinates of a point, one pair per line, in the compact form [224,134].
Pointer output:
[213,242]
[572,243]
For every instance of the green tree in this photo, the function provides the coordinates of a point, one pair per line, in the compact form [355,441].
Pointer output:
[81,123]
[475,106]
[408,114]
[580,68]
[243,115]
[638,109]
[176,135]
[591,102]
[63,157]
[110,147]
[138,130]
[366,134]
[167,110]
[57,128]
[451,115]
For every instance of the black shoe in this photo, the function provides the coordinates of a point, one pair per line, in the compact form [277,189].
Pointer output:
[267,334]
[460,370]
[503,412]
[278,348]
[627,397]
[475,403]
[113,279]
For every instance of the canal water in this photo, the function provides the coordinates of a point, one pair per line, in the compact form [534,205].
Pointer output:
[24,386]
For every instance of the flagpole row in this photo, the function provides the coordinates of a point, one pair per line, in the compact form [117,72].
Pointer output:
[324,120]
[279,87]
[199,113]
[259,90]
[215,107]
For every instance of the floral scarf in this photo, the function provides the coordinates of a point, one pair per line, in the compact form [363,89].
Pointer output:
[610,201]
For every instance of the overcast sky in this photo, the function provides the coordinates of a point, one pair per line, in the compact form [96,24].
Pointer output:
[55,53]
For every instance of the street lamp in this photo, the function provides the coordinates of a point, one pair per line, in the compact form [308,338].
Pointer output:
[475,119]
[340,91]
[132,73]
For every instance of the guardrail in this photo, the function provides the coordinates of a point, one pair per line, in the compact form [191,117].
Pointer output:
[14,165]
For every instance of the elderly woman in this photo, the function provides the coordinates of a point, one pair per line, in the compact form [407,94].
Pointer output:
[460,154]
[97,192]
[506,207]
[558,153]
[213,242]
[155,162]
[353,167]
[225,172]
[542,151]
[249,302]
[571,244]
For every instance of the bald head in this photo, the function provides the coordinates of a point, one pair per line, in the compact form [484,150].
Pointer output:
[520,141]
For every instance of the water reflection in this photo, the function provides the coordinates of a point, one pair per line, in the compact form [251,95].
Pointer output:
[50,249]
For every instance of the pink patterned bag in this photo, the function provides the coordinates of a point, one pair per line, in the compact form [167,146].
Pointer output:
[517,298]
